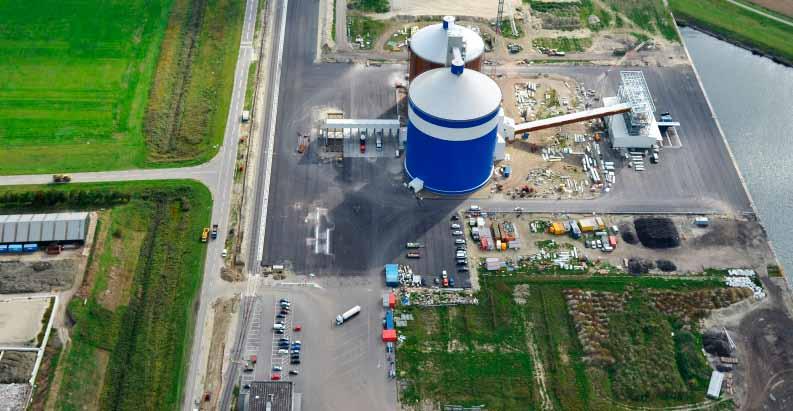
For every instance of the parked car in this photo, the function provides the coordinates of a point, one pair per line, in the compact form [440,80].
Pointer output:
[451,282]
[224,253]
[294,372]
[277,368]
[281,331]
[297,328]
[283,351]
[279,315]
[276,377]
[455,217]
[295,361]
[283,300]
[455,226]
[457,232]
[459,241]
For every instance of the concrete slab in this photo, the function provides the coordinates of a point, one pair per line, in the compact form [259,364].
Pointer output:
[21,320]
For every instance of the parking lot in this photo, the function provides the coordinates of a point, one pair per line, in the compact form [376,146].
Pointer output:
[335,360]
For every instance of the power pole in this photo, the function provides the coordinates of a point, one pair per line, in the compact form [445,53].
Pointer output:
[500,16]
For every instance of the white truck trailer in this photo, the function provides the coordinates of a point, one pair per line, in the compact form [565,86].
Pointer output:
[352,312]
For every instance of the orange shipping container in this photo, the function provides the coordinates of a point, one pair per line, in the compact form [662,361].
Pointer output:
[389,336]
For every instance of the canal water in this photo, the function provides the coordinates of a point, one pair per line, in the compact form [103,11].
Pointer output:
[753,100]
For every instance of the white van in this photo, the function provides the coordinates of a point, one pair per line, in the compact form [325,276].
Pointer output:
[278,327]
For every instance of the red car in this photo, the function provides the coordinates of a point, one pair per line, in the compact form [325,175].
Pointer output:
[276,377]
[298,328]
[363,147]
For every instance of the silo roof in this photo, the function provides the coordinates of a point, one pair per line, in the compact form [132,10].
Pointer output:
[446,96]
[430,43]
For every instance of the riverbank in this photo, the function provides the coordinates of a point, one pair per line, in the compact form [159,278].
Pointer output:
[738,26]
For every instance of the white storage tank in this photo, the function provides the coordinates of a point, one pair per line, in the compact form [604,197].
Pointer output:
[431,47]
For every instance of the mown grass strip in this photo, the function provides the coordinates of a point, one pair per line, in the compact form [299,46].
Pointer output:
[738,25]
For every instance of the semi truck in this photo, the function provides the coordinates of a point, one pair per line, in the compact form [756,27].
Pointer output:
[352,312]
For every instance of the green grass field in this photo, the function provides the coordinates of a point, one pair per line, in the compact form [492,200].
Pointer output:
[737,24]
[192,87]
[133,326]
[566,44]
[455,355]
[76,82]
[366,28]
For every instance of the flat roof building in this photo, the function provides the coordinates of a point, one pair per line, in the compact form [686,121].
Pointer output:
[44,228]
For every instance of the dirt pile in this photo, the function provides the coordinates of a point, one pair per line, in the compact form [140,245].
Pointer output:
[657,232]
[32,277]
[16,367]
[665,266]
[638,266]
[628,235]
[716,343]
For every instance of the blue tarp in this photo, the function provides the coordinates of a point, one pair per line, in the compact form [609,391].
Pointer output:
[391,275]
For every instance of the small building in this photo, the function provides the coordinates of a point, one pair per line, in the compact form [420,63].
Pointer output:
[714,387]
[392,275]
[269,396]
[44,228]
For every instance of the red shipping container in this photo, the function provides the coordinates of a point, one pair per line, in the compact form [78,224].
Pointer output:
[391,300]
[613,240]
[389,336]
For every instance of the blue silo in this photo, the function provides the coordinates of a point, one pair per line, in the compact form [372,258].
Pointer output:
[453,119]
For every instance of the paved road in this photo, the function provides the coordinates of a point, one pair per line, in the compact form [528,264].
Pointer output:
[224,164]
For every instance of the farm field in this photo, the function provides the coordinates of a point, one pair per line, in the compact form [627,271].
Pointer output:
[525,345]
[76,82]
[133,312]
[737,24]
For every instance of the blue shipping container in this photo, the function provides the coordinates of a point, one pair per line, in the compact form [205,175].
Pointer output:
[15,248]
[30,247]
[391,275]
[389,320]
[3,248]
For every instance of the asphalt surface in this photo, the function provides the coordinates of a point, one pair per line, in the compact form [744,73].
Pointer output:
[342,367]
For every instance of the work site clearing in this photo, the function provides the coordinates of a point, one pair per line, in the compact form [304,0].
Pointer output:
[599,310]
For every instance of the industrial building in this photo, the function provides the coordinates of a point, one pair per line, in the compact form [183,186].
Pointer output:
[636,128]
[453,122]
[269,396]
[44,228]
[434,47]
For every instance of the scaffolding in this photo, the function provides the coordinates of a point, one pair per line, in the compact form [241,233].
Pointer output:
[634,91]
